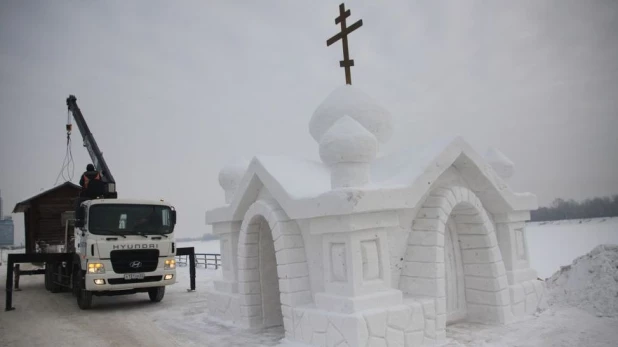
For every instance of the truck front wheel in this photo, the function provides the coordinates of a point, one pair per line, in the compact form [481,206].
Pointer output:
[75,284]
[50,274]
[84,297]
[156,294]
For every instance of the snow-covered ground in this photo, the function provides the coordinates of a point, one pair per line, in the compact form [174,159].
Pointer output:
[579,316]
[555,244]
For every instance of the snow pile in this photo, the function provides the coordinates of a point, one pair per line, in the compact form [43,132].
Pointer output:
[590,283]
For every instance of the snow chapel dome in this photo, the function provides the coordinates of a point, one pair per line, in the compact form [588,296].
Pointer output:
[350,101]
[348,126]
[230,177]
[348,142]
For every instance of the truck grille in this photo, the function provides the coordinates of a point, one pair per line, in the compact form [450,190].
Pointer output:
[123,281]
[127,261]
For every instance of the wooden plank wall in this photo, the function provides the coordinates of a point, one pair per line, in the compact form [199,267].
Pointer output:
[44,218]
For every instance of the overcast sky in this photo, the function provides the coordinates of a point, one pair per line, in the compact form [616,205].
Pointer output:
[172,90]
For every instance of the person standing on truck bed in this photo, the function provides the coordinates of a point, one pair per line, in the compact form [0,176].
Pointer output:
[91,183]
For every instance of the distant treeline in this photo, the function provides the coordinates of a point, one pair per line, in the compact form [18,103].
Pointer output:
[570,209]
[205,237]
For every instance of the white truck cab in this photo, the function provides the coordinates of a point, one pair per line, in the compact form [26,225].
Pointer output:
[123,246]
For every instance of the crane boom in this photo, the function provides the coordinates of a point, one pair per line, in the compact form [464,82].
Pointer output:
[93,149]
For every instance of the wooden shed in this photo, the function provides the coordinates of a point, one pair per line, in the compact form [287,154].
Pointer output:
[44,215]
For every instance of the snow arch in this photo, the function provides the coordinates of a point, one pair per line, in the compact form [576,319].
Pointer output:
[271,266]
[484,285]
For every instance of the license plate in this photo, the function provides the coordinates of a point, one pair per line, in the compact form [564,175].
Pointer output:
[134,276]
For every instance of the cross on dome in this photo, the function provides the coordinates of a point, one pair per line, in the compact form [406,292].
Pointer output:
[343,36]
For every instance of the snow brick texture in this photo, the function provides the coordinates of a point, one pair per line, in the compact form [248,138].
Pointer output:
[407,324]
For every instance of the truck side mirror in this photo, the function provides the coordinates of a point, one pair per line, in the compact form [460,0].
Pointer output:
[173,217]
[80,217]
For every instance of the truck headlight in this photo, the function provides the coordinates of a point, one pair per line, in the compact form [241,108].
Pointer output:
[170,264]
[96,268]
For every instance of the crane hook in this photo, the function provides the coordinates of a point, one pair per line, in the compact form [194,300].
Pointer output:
[69,126]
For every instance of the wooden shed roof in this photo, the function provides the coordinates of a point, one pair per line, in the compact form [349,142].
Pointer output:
[25,205]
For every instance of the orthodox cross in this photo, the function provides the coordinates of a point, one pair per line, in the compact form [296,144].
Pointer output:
[343,35]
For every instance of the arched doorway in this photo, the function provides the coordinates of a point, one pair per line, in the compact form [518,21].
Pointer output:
[454,275]
[453,256]
[273,275]
[259,280]
[269,279]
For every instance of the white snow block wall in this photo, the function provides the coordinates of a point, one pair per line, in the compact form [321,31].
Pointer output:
[365,251]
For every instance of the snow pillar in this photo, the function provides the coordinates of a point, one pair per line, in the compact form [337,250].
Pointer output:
[356,271]
[502,165]
[223,300]
[228,233]
[511,232]
[230,177]
[527,293]
[357,283]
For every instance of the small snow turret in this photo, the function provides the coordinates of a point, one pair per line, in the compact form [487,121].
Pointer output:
[230,177]
[503,166]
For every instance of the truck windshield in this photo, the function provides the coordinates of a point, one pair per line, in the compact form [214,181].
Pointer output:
[129,219]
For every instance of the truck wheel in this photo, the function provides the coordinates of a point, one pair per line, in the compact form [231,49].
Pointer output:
[84,297]
[75,282]
[50,273]
[156,294]
[48,276]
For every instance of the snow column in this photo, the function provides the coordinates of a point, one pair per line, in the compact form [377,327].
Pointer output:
[348,126]
[229,179]
[526,292]
[510,226]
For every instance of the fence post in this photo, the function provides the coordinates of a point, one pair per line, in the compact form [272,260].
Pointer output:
[17,274]
[9,285]
[192,267]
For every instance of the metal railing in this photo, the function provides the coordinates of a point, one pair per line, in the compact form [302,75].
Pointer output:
[206,259]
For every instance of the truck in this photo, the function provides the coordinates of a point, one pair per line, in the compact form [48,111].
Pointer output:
[121,246]
[112,246]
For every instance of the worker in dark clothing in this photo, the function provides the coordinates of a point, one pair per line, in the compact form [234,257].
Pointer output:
[89,175]
[91,183]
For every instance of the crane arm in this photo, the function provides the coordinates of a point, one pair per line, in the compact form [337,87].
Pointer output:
[91,145]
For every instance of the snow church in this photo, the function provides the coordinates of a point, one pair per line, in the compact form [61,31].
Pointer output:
[357,250]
